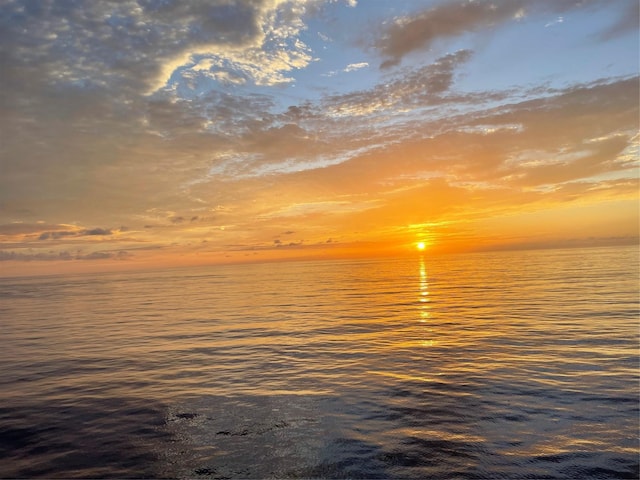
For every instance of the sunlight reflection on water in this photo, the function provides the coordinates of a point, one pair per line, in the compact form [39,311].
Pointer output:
[509,364]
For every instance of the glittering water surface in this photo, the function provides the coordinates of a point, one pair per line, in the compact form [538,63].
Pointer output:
[501,365]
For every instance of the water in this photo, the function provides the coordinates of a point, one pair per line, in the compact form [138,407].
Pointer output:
[495,365]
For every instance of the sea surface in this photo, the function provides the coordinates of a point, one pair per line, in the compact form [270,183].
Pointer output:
[489,365]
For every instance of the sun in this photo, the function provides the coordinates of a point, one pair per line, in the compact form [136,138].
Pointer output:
[421,245]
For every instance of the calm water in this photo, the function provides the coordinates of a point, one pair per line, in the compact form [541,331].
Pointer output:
[501,365]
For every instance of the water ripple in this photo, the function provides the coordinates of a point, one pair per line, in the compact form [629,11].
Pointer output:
[509,365]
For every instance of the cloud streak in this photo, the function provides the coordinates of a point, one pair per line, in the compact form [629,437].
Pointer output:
[447,20]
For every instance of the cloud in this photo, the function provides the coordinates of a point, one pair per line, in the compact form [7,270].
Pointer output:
[104,255]
[562,136]
[355,66]
[626,22]
[110,130]
[141,44]
[97,231]
[58,234]
[486,145]
[83,70]
[352,67]
[279,244]
[269,47]
[172,115]
[28,257]
[557,21]
[447,20]
[18,228]
[598,159]
[62,255]
[413,88]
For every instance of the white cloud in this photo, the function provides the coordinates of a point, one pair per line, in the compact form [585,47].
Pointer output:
[352,67]
[356,66]
[557,21]
[266,59]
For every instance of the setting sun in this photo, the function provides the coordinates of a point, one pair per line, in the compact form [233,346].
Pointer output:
[421,245]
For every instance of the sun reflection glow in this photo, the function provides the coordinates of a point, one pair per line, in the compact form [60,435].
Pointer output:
[424,293]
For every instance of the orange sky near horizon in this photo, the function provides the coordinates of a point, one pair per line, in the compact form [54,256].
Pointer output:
[139,134]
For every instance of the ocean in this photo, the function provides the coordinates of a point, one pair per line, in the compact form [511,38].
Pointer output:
[487,365]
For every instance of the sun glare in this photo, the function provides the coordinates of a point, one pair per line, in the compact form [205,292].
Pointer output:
[420,245]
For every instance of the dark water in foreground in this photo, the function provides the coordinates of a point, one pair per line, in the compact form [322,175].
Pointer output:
[505,365]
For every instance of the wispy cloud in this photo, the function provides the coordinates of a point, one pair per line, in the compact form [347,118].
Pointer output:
[63,255]
[418,87]
[355,66]
[448,20]
[557,21]
[626,22]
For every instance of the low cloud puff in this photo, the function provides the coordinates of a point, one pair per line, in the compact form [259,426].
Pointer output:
[56,235]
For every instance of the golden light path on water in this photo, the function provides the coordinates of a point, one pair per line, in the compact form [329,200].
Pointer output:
[492,365]
[424,300]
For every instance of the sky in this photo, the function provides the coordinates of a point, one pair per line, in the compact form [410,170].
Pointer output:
[164,132]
